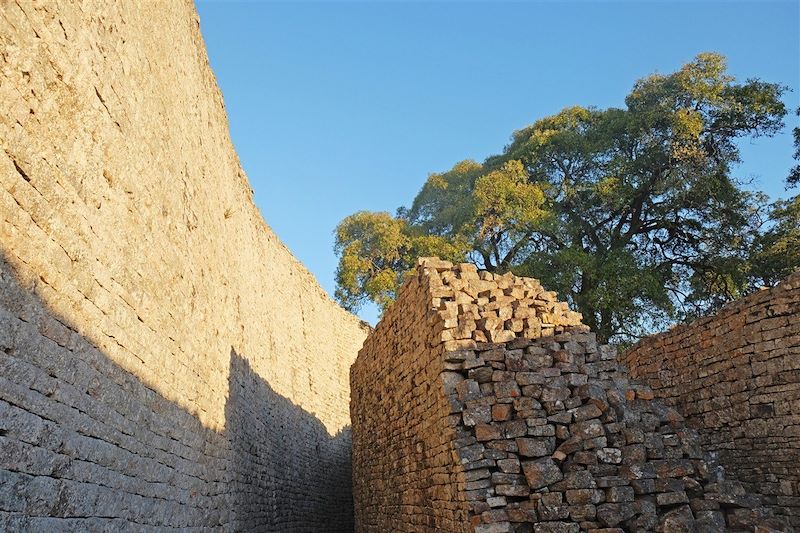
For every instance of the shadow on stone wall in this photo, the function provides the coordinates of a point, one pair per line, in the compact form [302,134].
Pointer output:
[289,473]
[85,445]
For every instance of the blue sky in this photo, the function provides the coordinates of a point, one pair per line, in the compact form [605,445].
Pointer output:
[336,107]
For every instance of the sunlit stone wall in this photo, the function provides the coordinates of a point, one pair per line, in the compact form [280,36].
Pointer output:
[481,403]
[164,360]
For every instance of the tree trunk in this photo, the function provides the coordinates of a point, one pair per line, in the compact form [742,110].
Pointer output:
[606,328]
[583,302]
[598,320]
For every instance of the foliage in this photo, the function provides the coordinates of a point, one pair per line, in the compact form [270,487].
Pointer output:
[630,214]
[794,174]
[375,251]
[776,252]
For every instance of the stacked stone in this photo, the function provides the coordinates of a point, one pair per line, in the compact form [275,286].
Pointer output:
[156,372]
[477,307]
[735,376]
[86,446]
[404,476]
[553,437]
[480,403]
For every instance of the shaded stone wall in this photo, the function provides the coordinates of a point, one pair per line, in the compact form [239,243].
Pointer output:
[735,376]
[164,360]
[540,430]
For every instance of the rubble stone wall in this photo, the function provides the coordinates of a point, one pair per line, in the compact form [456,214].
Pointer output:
[735,376]
[481,403]
[164,360]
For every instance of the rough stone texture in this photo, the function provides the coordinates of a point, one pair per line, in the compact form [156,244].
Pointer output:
[164,361]
[539,431]
[735,376]
[403,473]
[577,446]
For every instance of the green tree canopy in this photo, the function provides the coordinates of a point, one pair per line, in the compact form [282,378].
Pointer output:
[375,251]
[776,252]
[794,174]
[631,214]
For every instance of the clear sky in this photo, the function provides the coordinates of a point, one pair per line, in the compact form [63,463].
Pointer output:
[336,107]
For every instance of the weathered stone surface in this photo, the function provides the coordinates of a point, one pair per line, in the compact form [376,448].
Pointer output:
[165,363]
[573,447]
[412,471]
[541,473]
[735,376]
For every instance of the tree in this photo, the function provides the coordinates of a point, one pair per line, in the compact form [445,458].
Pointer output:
[794,174]
[776,252]
[630,214]
[375,251]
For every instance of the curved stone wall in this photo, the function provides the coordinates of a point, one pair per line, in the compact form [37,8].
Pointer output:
[164,360]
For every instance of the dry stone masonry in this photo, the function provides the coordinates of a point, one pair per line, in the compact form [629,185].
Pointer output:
[165,363]
[404,478]
[735,376]
[480,403]
[403,470]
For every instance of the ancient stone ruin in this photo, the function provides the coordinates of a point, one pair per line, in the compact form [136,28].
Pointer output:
[480,403]
[735,376]
[167,364]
